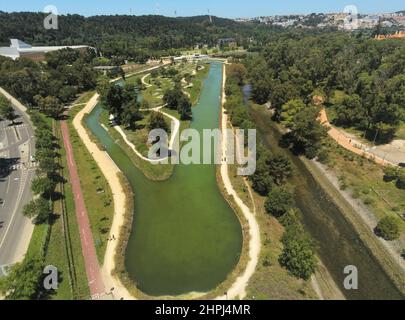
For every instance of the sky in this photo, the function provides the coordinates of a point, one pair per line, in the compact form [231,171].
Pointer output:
[221,8]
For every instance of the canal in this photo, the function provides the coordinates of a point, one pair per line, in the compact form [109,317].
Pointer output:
[338,243]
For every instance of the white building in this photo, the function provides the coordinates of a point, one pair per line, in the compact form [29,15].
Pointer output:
[19,49]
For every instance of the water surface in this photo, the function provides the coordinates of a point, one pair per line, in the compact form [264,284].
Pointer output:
[185,237]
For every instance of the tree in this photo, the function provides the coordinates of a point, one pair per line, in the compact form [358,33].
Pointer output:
[39,210]
[50,106]
[307,133]
[289,110]
[298,258]
[43,186]
[6,109]
[130,115]
[278,202]
[388,228]
[22,283]
[157,121]
[184,108]
[279,168]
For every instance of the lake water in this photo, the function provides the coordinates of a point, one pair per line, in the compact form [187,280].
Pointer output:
[185,237]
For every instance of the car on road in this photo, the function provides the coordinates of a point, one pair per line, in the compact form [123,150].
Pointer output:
[402,164]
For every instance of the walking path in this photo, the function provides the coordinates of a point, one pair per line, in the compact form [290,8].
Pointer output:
[110,172]
[86,237]
[238,289]
[173,139]
[351,144]
[147,85]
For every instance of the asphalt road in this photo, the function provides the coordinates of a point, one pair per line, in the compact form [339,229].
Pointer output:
[16,145]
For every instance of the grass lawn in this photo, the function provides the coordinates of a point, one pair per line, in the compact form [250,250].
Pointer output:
[96,191]
[139,136]
[154,172]
[64,249]
[365,180]
[270,280]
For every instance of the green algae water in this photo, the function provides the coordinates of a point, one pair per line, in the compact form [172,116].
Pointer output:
[185,236]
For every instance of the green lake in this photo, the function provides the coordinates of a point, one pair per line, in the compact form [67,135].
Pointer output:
[186,238]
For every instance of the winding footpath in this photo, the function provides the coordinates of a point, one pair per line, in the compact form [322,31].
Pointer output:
[111,173]
[238,288]
[173,138]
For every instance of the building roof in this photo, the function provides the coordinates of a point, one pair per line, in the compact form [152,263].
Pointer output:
[18,47]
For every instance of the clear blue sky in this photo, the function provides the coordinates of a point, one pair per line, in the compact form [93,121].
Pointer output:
[222,8]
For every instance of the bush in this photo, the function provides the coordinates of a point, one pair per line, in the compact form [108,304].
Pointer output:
[298,258]
[401,181]
[388,229]
[278,202]
[390,174]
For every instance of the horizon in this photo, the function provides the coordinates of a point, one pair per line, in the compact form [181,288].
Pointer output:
[181,8]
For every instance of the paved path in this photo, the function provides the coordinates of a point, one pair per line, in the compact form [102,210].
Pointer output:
[89,251]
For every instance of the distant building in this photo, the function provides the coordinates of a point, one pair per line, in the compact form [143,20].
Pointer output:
[19,49]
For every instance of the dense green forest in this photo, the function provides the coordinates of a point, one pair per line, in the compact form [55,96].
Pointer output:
[49,86]
[134,37]
[362,80]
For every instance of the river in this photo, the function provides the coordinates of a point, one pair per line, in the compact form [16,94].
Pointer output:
[338,243]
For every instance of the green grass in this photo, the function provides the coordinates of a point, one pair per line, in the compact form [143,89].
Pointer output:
[401,132]
[153,172]
[364,179]
[64,249]
[139,136]
[96,191]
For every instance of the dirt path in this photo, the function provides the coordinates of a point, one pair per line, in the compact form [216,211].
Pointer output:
[238,288]
[89,251]
[348,143]
[110,171]
[173,138]
[147,85]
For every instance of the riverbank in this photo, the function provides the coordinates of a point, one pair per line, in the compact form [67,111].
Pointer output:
[339,243]
[111,173]
[238,288]
[387,253]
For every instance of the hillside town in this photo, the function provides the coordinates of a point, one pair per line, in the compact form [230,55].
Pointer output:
[342,21]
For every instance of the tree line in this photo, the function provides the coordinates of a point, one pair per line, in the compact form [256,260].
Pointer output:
[361,79]
[49,86]
[271,181]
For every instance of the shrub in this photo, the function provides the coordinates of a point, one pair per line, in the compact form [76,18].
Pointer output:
[390,174]
[278,202]
[401,181]
[388,229]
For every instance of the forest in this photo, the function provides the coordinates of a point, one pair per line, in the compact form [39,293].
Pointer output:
[359,80]
[130,37]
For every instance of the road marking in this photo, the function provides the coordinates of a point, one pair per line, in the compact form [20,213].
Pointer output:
[20,193]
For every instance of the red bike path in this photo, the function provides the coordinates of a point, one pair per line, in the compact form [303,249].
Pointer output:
[89,251]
